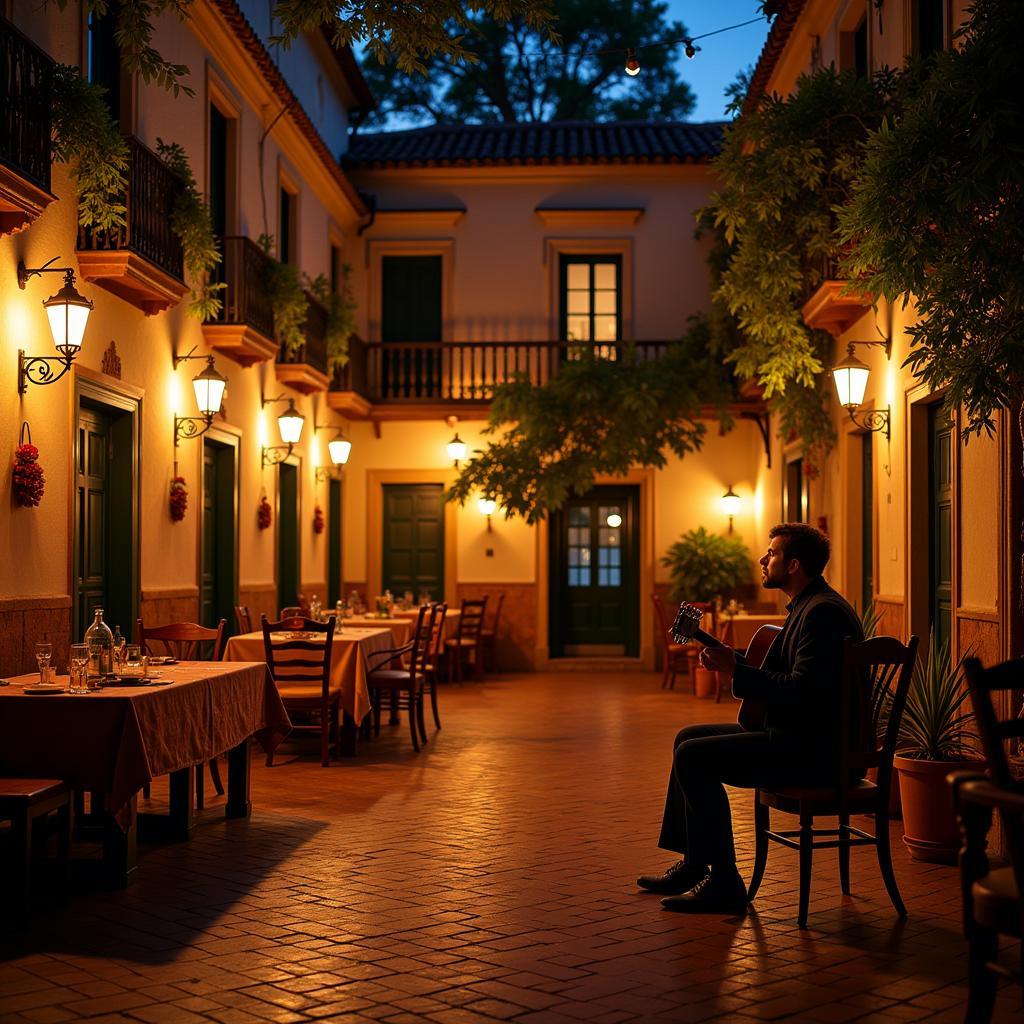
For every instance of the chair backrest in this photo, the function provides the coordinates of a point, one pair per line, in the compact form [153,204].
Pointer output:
[493,627]
[243,620]
[297,659]
[186,641]
[437,631]
[995,732]
[471,620]
[662,618]
[422,645]
[293,611]
[876,678]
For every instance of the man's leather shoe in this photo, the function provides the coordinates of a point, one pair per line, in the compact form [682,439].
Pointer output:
[681,877]
[711,895]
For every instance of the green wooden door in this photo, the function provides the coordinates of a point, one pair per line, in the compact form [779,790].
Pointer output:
[93,503]
[411,311]
[595,574]
[940,562]
[413,556]
[867,524]
[287,535]
[334,581]
[218,582]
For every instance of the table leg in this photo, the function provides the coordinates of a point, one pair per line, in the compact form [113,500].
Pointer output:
[119,849]
[239,804]
[349,735]
[178,824]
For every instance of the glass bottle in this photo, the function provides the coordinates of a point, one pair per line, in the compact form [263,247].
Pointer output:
[339,612]
[118,650]
[315,609]
[100,642]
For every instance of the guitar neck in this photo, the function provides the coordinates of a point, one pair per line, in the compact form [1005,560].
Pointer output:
[707,639]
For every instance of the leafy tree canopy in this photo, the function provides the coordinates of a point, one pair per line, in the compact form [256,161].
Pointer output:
[938,213]
[525,74]
[404,32]
[594,416]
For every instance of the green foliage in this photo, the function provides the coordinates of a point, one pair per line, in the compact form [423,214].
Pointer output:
[934,726]
[594,416]
[938,213]
[86,138]
[341,323]
[190,221]
[287,298]
[784,168]
[869,619]
[523,74]
[706,565]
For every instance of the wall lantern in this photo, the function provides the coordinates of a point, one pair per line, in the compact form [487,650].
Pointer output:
[457,448]
[68,313]
[208,386]
[487,507]
[339,448]
[290,424]
[851,378]
[730,503]
[614,520]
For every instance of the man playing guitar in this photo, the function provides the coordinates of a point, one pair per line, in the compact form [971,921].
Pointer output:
[799,686]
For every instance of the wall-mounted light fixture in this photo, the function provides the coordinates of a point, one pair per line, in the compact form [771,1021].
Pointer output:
[614,520]
[487,507]
[457,448]
[339,448]
[730,503]
[851,379]
[68,313]
[290,424]
[208,386]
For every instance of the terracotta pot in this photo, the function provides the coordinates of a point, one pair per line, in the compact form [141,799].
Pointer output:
[705,682]
[931,831]
[895,811]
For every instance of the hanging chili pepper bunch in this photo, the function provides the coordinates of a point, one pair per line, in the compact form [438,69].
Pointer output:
[29,483]
[318,520]
[264,515]
[179,498]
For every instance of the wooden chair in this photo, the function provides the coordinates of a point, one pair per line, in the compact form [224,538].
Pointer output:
[243,620]
[186,641]
[876,677]
[293,611]
[674,657]
[489,636]
[432,669]
[466,642]
[407,680]
[26,803]
[303,676]
[992,903]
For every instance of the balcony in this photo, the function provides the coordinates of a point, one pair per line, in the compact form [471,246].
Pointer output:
[305,370]
[828,309]
[26,84]
[141,262]
[420,380]
[244,330]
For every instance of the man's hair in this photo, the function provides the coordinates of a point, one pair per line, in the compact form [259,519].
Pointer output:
[807,544]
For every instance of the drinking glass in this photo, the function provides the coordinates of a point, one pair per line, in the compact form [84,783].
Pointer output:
[43,654]
[78,668]
[132,665]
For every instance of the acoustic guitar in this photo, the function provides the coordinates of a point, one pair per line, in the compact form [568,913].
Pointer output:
[686,627]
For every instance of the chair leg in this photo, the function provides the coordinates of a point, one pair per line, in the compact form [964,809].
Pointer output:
[215,778]
[412,723]
[419,716]
[983,947]
[478,664]
[337,731]
[806,854]
[666,669]
[884,848]
[21,898]
[64,823]
[145,791]
[376,713]
[200,787]
[433,702]
[325,737]
[844,853]
[761,823]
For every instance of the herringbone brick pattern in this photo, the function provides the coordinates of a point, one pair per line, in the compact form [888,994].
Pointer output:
[490,878]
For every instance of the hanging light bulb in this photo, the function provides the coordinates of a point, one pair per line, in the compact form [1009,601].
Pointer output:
[691,50]
[632,64]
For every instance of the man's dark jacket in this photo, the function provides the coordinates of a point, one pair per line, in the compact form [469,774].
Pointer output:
[802,676]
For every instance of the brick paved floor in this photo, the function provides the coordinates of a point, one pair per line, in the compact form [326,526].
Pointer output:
[490,878]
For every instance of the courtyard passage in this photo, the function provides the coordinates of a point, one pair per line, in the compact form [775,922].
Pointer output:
[489,878]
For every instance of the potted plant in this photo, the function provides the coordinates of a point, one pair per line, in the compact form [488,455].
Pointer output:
[704,567]
[934,738]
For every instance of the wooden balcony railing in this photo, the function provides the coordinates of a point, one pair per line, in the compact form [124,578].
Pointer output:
[305,369]
[244,269]
[26,88]
[458,372]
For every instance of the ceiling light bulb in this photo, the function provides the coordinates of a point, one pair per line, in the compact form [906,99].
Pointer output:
[632,64]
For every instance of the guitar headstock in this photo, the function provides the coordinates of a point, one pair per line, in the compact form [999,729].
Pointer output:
[686,623]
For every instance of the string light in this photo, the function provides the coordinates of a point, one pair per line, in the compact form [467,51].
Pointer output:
[632,64]
[687,42]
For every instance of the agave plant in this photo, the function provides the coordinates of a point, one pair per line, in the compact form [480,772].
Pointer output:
[869,620]
[935,725]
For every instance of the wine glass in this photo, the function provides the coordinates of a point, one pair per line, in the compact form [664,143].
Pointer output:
[44,652]
[78,662]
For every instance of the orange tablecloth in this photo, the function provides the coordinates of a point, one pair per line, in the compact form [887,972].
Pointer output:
[116,740]
[739,631]
[451,620]
[351,647]
[401,628]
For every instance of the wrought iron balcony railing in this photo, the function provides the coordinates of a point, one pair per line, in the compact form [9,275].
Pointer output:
[314,352]
[245,300]
[26,85]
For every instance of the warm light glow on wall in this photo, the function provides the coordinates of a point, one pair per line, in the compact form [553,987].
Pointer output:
[261,429]
[174,395]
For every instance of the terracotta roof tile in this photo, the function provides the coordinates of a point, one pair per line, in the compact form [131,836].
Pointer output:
[775,44]
[556,142]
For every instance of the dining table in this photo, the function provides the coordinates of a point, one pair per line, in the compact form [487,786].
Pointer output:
[113,741]
[400,626]
[451,619]
[738,630]
[351,651]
